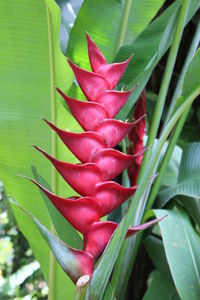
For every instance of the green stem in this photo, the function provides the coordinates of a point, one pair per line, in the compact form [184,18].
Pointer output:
[129,247]
[78,294]
[165,85]
[177,92]
[179,126]
[52,260]
[124,23]
[125,181]
[166,159]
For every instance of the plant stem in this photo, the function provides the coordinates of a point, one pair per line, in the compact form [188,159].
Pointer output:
[125,181]
[52,260]
[177,92]
[129,246]
[124,23]
[165,84]
[179,126]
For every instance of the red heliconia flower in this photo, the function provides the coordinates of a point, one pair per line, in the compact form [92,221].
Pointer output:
[136,138]
[99,162]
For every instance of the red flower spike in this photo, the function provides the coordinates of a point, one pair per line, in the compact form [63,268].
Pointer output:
[79,212]
[95,56]
[92,84]
[110,195]
[114,130]
[112,162]
[100,162]
[113,100]
[83,145]
[88,114]
[81,177]
[113,72]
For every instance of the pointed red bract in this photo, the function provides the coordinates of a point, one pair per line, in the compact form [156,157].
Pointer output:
[136,137]
[113,72]
[113,100]
[135,229]
[95,56]
[91,83]
[112,162]
[85,263]
[98,236]
[88,114]
[110,195]
[73,209]
[83,145]
[113,131]
[81,177]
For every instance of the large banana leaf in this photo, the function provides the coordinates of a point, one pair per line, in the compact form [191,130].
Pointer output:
[31,66]
[111,24]
[181,243]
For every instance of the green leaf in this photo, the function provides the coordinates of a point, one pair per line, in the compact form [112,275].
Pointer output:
[31,66]
[190,83]
[181,243]
[191,79]
[193,207]
[149,48]
[188,183]
[129,19]
[171,174]
[160,287]
[155,249]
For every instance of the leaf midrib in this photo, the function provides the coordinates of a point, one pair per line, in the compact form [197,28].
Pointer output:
[123,26]
[52,261]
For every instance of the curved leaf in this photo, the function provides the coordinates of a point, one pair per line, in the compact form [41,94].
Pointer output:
[181,243]
[189,176]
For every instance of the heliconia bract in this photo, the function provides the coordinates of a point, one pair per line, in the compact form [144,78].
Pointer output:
[136,138]
[99,162]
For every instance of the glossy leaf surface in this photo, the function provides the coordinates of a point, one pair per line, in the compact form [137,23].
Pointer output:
[181,243]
